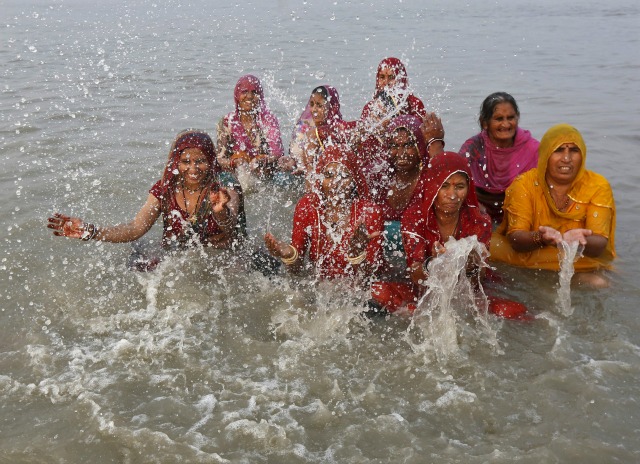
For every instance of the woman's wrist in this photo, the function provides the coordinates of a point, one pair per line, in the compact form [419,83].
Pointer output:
[435,141]
[293,256]
[537,239]
[224,217]
[89,231]
[357,259]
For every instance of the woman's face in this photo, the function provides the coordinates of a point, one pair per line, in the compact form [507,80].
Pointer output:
[193,167]
[386,78]
[405,156]
[337,183]
[248,100]
[564,164]
[318,107]
[502,125]
[452,194]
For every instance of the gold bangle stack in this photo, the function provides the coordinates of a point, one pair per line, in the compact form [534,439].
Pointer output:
[89,232]
[537,239]
[358,259]
[293,259]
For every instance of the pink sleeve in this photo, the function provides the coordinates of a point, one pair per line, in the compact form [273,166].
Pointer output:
[274,137]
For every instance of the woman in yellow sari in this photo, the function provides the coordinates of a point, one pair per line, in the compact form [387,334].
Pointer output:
[560,200]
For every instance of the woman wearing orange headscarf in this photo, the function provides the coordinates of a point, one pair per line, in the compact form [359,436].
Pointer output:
[560,200]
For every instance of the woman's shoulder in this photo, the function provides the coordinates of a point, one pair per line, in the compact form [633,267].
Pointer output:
[416,106]
[594,188]
[526,179]
[472,146]
[158,189]
[224,121]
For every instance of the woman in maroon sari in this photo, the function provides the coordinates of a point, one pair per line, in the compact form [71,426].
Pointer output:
[336,224]
[391,98]
[198,207]
[320,126]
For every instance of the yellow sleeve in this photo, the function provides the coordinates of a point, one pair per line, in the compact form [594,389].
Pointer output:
[518,206]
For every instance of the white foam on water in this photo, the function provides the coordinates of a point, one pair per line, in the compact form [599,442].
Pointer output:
[442,314]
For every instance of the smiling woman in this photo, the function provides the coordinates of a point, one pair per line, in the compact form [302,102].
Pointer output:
[560,200]
[250,135]
[195,206]
[500,152]
[320,126]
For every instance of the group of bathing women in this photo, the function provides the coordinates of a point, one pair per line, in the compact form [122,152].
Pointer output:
[384,176]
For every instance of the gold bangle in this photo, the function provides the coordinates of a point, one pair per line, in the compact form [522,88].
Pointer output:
[434,139]
[537,239]
[293,259]
[358,259]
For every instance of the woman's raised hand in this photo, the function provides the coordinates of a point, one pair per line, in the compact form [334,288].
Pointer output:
[66,226]
[276,247]
[360,240]
[432,127]
[437,249]
[219,199]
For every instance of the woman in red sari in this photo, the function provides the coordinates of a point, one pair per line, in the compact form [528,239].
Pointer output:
[409,155]
[336,225]
[198,207]
[449,209]
[391,98]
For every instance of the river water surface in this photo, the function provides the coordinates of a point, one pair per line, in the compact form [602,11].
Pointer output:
[204,361]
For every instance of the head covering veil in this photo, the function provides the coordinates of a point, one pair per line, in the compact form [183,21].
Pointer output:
[189,138]
[412,124]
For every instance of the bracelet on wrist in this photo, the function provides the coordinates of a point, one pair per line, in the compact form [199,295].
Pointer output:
[225,223]
[425,264]
[432,140]
[89,232]
[292,259]
[357,259]
[537,239]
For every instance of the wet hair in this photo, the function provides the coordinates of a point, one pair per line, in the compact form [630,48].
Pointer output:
[489,105]
[322,90]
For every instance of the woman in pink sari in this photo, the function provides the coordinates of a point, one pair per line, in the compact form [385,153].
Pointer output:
[499,153]
[250,135]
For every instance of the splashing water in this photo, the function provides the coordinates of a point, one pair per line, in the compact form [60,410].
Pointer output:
[437,318]
[246,178]
[567,253]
